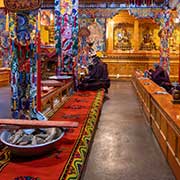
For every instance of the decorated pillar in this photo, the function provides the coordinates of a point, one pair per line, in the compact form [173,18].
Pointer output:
[66,31]
[23,28]
[75,42]
[164,19]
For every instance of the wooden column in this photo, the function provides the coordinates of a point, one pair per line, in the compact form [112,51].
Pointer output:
[109,35]
[136,35]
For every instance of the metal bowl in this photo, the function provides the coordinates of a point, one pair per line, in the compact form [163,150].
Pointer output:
[30,150]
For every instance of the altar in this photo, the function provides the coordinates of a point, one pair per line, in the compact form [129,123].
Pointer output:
[121,66]
[134,44]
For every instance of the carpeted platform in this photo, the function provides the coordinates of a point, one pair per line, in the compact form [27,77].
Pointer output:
[67,161]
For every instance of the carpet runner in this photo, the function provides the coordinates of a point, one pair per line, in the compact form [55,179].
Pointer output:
[66,162]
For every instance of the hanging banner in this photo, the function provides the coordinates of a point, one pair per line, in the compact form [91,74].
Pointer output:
[25,5]
[98,12]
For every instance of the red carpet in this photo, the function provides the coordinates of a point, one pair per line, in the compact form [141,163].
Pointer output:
[67,161]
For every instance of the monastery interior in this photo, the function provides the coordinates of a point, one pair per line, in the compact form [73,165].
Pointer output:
[46,48]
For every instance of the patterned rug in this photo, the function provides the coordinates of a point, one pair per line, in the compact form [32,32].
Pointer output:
[66,162]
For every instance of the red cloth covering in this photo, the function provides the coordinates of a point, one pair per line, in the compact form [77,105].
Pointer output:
[58,164]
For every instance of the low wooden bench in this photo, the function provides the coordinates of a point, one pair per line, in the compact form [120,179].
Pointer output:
[55,97]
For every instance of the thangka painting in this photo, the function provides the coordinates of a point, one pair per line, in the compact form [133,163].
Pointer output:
[25,5]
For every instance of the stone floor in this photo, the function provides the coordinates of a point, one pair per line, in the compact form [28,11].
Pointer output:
[5,109]
[124,147]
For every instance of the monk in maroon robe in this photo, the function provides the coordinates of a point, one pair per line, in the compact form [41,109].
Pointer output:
[97,77]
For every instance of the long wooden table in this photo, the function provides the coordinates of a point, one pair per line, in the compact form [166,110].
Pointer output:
[163,117]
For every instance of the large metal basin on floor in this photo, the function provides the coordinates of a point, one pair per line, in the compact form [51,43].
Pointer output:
[30,150]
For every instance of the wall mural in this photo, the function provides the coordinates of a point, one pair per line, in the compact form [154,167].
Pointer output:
[97,34]
[83,34]
[96,37]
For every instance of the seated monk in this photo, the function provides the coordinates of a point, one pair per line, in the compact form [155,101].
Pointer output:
[97,77]
[161,77]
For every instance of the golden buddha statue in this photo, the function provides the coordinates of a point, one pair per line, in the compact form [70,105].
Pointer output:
[123,40]
[147,42]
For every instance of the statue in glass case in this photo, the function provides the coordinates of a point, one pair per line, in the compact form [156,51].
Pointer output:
[147,42]
[123,40]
